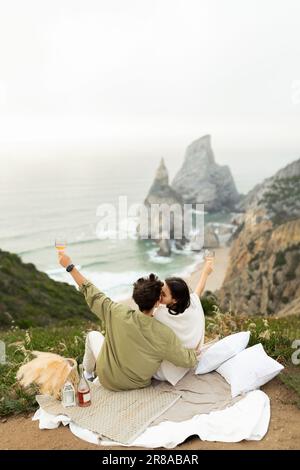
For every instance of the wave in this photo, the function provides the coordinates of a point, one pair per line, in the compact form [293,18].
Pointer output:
[117,285]
[60,270]
[155,258]
[47,247]
[127,228]
[196,211]
[92,264]
[38,232]
[188,270]
[185,251]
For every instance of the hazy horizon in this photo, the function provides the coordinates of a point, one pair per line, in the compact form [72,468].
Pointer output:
[130,82]
[143,163]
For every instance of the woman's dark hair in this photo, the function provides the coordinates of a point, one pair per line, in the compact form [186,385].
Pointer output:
[146,292]
[180,292]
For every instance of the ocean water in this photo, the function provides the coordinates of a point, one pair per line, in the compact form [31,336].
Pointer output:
[59,198]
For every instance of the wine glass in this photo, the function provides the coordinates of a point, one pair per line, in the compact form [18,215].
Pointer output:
[60,245]
[209,254]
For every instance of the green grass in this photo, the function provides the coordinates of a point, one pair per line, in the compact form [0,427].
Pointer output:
[209,303]
[29,298]
[67,339]
[276,335]
[292,380]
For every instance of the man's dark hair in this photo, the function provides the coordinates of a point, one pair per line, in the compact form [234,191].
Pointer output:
[146,292]
[180,292]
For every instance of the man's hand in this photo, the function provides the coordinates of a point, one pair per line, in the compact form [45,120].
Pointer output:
[64,260]
[198,349]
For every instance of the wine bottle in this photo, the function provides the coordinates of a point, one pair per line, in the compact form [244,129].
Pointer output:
[83,390]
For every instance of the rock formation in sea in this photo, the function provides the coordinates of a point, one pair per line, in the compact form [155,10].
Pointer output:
[162,194]
[202,180]
[160,191]
[263,276]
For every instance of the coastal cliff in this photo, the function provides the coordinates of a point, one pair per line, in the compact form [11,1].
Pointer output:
[263,276]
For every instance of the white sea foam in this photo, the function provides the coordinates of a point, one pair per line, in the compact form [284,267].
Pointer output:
[119,285]
[126,228]
[154,258]
[116,284]
[188,270]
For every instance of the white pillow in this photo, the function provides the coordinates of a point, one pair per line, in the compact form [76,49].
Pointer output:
[249,370]
[215,355]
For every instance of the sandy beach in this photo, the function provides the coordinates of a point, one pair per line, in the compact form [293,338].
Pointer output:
[215,279]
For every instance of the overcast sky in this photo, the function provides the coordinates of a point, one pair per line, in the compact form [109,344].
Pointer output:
[132,78]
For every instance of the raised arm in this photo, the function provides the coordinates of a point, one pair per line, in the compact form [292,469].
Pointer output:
[65,261]
[98,302]
[207,269]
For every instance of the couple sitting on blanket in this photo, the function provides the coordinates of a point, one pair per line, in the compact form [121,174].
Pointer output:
[162,339]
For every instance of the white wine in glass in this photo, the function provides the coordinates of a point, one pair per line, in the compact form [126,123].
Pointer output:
[209,254]
[60,245]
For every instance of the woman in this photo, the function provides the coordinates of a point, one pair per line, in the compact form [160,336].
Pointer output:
[182,311]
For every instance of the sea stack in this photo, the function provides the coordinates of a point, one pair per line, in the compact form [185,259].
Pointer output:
[163,194]
[201,180]
[160,191]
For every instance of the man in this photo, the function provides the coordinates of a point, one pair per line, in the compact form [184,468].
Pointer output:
[135,343]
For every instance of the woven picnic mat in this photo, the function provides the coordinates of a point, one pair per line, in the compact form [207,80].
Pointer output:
[118,416]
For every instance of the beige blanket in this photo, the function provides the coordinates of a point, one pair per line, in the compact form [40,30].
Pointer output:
[118,416]
[123,416]
[199,394]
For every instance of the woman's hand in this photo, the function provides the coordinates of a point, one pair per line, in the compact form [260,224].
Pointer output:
[208,266]
[206,271]
[64,260]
